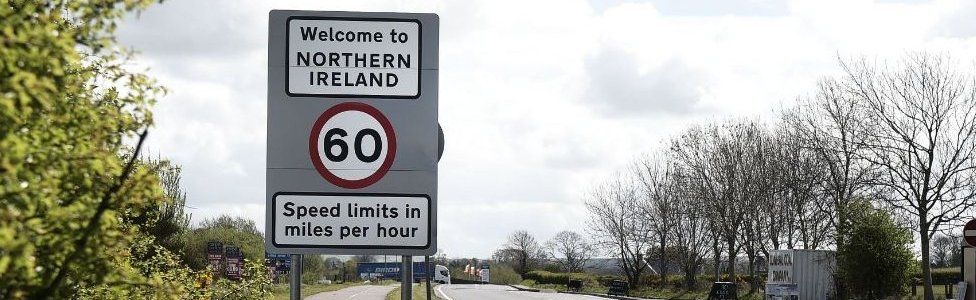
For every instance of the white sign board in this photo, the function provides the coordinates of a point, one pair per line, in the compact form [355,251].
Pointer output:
[350,57]
[780,267]
[353,139]
[354,220]
[485,275]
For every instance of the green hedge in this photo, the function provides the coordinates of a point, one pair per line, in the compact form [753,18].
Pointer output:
[546,277]
[942,276]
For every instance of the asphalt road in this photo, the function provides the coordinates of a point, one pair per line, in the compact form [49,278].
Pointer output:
[499,292]
[362,292]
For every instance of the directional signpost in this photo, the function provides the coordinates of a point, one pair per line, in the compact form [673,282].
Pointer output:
[353,139]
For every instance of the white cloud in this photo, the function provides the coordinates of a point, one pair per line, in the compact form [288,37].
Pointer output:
[532,92]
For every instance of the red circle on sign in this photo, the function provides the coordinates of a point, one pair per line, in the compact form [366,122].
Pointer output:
[969,232]
[331,177]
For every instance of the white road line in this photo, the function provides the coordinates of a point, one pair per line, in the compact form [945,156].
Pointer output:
[438,290]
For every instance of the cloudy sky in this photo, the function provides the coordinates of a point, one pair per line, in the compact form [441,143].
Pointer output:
[540,100]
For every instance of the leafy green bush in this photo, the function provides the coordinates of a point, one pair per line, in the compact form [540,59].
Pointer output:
[503,274]
[236,231]
[941,276]
[546,277]
[875,259]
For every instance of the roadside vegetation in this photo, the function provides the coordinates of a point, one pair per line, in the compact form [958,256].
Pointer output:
[873,162]
[85,215]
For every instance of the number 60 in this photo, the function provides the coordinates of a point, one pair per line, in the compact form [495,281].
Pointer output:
[332,141]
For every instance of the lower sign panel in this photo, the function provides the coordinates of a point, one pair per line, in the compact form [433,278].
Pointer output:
[331,220]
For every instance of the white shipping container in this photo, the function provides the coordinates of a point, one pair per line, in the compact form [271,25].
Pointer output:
[809,274]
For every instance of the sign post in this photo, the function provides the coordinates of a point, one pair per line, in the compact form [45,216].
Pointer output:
[406,278]
[295,282]
[353,138]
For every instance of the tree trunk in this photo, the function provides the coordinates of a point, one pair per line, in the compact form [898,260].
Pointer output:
[752,272]
[717,258]
[662,265]
[731,244]
[926,259]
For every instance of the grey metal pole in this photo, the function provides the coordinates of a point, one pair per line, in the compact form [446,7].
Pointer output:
[406,280]
[296,277]
[430,273]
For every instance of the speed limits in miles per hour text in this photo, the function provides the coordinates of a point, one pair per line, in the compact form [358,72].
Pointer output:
[351,220]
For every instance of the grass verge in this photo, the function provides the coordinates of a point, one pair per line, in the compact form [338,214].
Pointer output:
[656,293]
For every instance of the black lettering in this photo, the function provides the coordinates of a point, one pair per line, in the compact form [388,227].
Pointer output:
[361,79]
[334,59]
[363,36]
[374,60]
[289,210]
[335,79]
[403,61]
[308,33]
[291,230]
[360,60]
[302,59]
[375,79]
[323,78]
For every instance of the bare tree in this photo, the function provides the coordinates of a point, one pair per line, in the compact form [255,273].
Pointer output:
[570,249]
[758,174]
[653,175]
[690,233]
[616,224]
[713,156]
[923,140]
[831,125]
[943,248]
[522,251]
[800,216]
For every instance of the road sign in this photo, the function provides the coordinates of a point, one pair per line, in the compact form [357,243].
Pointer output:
[352,145]
[215,254]
[234,264]
[353,139]
[723,291]
[485,273]
[969,231]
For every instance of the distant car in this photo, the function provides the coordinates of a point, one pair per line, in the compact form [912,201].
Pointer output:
[442,275]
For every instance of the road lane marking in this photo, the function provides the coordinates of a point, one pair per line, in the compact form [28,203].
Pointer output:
[438,290]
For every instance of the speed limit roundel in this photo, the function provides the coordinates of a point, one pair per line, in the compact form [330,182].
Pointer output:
[352,145]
